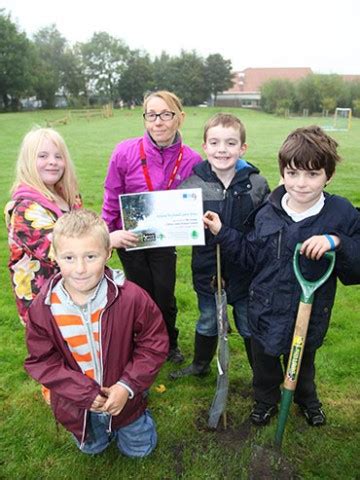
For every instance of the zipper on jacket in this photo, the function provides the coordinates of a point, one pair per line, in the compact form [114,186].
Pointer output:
[100,329]
[279,244]
[101,366]
[86,314]
[109,429]
[100,349]
[83,430]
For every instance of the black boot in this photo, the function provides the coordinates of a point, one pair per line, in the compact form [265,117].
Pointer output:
[205,348]
[247,342]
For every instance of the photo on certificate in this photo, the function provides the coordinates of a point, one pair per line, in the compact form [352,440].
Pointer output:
[164,218]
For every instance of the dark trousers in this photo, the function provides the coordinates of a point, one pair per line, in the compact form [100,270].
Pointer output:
[154,269]
[269,375]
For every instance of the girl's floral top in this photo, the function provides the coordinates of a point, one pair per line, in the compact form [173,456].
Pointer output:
[30,224]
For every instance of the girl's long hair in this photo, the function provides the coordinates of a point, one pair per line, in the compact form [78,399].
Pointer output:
[27,173]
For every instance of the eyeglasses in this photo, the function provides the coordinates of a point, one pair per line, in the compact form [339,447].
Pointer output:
[165,116]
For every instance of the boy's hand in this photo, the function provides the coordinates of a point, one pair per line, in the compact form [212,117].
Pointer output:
[212,222]
[123,239]
[98,404]
[315,247]
[117,397]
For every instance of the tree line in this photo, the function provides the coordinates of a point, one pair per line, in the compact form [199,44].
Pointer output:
[105,69]
[102,70]
[314,93]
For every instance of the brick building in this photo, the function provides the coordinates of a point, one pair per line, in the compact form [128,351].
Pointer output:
[245,91]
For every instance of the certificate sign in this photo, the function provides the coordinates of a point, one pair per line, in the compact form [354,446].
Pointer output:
[164,218]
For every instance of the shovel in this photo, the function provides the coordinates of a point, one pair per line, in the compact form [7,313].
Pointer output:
[299,338]
[218,406]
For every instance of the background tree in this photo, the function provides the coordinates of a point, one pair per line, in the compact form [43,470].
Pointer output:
[104,60]
[315,91]
[308,94]
[218,74]
[15,61]
[189,79]
[354,91]
[328,104]
[73,77]
[331,91]
[164,72]
[277,94]
[137,77]
[49,64]
[354,94]
[356,107]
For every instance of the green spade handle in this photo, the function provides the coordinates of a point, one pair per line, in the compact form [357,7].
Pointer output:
[299,338]
[308,288]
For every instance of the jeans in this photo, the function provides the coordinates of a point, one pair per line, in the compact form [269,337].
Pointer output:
[138,439]
[207,324]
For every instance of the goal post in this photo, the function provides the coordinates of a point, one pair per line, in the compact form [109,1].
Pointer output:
[342,119]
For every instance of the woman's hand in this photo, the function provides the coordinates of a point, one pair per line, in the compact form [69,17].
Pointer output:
[123,239]
[212,222]
[316,246]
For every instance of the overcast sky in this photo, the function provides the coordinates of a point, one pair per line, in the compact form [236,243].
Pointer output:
[321,34]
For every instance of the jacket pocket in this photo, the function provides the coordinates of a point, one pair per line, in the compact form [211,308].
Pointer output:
[320,319]
[260,296]
[260,306]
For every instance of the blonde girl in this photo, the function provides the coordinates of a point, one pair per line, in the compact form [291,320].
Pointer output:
[45,187]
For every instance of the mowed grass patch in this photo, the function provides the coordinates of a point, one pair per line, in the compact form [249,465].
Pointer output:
[30,444]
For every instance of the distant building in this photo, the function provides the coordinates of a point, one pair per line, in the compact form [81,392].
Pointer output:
[351,78]
[60,101]
[245,91]
[30,103]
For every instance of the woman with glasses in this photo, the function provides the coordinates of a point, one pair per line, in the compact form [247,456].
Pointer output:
[156,161]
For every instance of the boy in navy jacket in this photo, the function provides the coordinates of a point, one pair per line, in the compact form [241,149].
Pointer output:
[297,211]
[233,188]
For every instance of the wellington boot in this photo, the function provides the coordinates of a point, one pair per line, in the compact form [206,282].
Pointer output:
[195,369]
[205,348]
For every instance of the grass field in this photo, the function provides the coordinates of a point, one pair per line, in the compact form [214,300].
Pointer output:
[32,448]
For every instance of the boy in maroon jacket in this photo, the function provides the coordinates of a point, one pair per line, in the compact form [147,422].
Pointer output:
[96,341]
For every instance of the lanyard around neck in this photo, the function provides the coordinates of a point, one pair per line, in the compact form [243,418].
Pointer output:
[146,170]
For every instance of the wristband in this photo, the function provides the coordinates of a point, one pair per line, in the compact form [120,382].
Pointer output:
[331,241]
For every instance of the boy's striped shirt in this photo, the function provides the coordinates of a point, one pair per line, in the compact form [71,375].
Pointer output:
[79,327]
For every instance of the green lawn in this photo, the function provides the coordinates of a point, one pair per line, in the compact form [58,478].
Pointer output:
[32,448]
